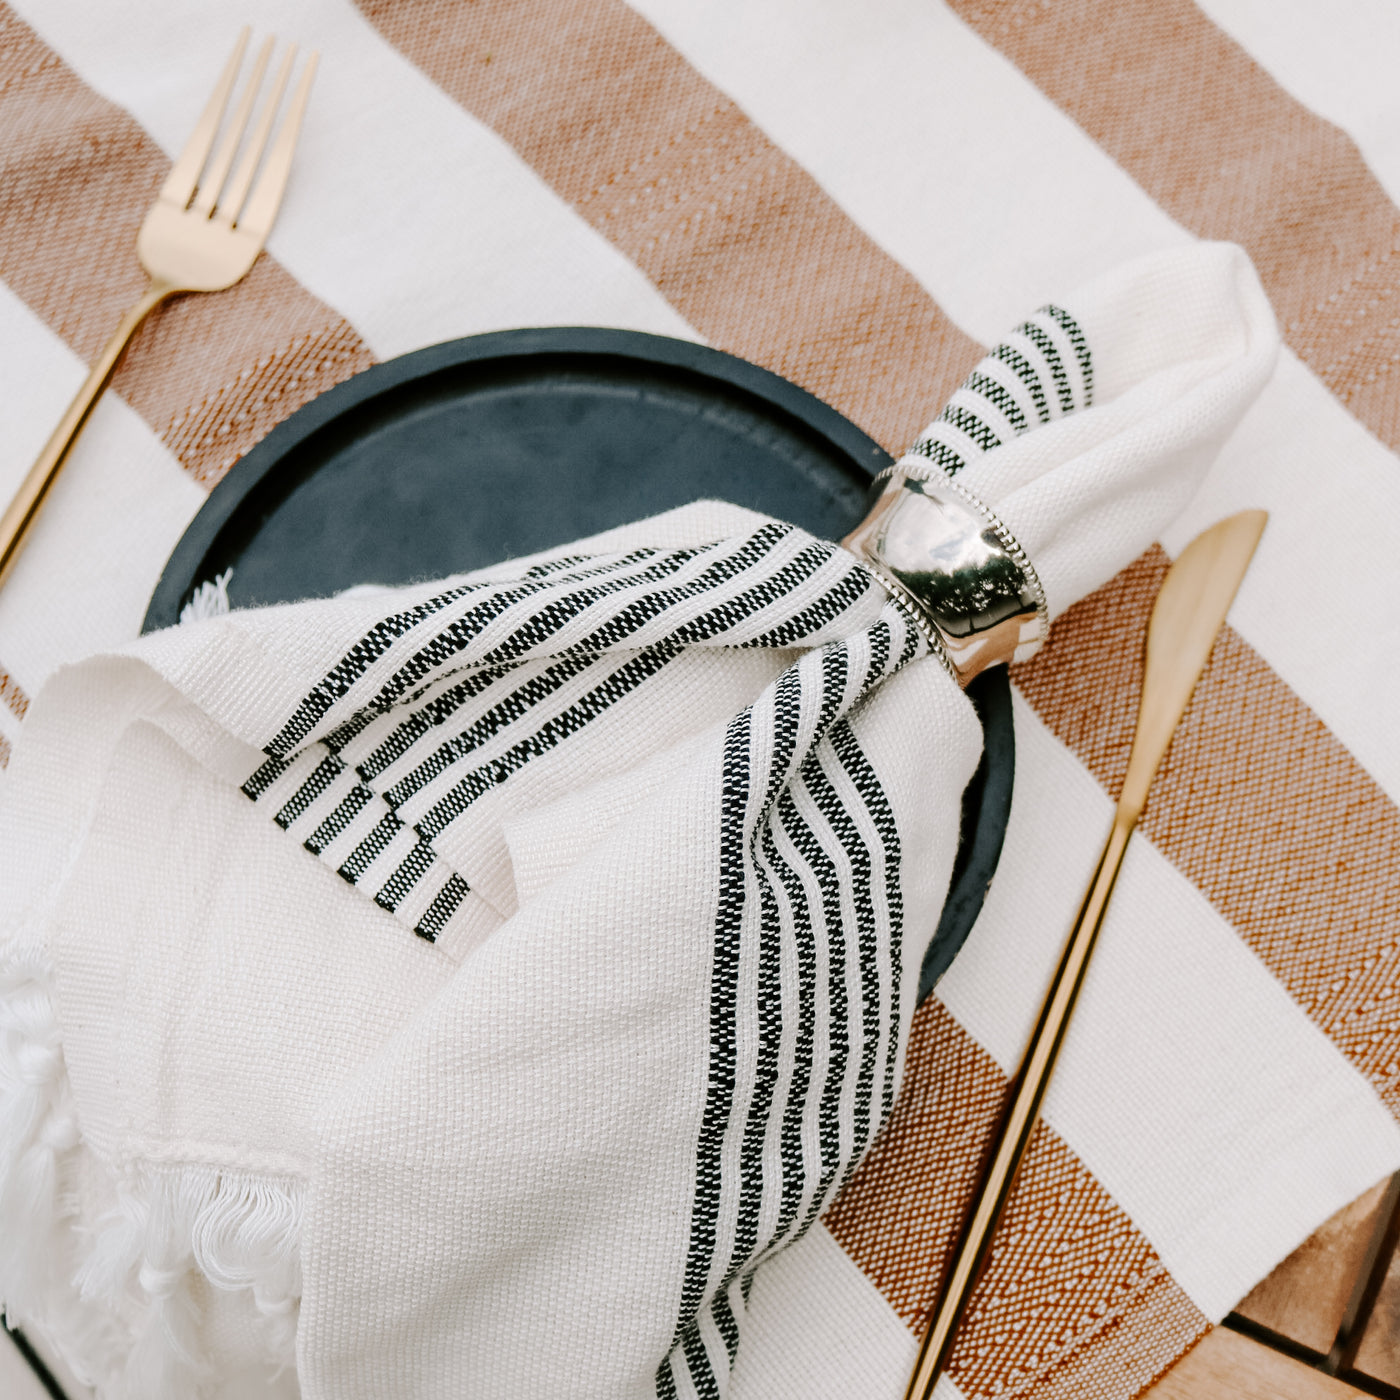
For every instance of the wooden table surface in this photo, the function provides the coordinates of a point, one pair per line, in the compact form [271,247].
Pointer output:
[1325,1325]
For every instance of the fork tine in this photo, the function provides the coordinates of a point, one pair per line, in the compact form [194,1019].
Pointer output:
[266,197]
[213,179]
[237,191]
[179,184]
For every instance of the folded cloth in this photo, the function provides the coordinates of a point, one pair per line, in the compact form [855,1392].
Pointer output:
[464,988]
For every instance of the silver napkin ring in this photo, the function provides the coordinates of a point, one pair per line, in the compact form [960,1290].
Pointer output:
[937,547]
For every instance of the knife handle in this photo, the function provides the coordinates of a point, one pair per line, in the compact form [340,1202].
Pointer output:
[1018,1122]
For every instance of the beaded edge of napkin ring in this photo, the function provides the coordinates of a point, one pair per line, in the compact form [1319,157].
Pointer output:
[940,550]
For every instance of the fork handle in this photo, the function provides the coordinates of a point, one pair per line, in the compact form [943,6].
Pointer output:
[22,510]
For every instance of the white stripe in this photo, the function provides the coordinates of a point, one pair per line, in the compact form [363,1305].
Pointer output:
[420,896]
[959,168]
[979,130]
[801,891]
[954,439]
[386,864]
[288,782]
[1318,600]
[1339,58]
[1015,386]
[111,520]
[818,1329]
[413,220]
[878,893]
[335,853]
[9,730]
[929,178]
[819,1051]
[1235,1125]
[985,411]
[322,805]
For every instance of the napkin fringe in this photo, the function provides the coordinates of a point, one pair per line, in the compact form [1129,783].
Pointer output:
[38,1132]
[123,1304]
[210,599]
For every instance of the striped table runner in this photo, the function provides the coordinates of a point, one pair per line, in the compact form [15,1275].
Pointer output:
[859,196]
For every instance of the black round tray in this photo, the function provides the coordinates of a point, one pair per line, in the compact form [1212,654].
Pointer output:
[481,449]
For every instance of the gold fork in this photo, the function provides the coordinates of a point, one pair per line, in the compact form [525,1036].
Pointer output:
[202,234]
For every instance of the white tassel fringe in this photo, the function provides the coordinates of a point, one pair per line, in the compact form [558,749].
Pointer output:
[122,1305]
[208,600]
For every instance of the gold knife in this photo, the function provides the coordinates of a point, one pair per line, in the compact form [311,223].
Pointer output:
[1189,611]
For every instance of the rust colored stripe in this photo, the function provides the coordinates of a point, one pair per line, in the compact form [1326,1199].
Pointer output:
[1280,826]
[746,246]
[1256,803]
[740,239]
[1080,1290]
[210,374]
[12,695]
[1150,1333]
[1229,154]
[4,752]
[672,173]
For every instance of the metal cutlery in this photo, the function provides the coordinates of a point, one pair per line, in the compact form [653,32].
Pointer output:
[203,233]
[1189,612]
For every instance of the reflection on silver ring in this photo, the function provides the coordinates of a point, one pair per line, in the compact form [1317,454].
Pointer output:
[934,543]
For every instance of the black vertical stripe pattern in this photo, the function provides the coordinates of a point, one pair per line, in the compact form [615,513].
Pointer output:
[533,633]
[703,1375]
[1077,339]
[941,455]
[963,431]
[1025,372]
[379,640]
[440,703]
[991,389]
[970,423]
[345,811]
[326,772]
[787,712]
[1046,345]
[877,805]
[787,885]
[724,1004]
[666,1381]
[443,702]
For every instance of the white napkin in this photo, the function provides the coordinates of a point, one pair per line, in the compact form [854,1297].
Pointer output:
[557,972]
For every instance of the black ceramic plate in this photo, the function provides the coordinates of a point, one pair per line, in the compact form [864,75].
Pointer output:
[471,452]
